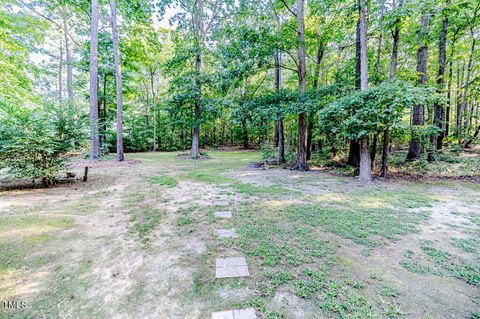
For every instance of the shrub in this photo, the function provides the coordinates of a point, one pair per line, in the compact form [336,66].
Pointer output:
[34,142]
[268,151]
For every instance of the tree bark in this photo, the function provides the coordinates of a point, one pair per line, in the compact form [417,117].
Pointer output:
[118,80]
[354,148]
[94,135]
[373,151]
[301,163]
[365,161]
[437,141]
[386,142]
[415,147]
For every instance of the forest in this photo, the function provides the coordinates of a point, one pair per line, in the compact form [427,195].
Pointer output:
[325,153]
[182,75]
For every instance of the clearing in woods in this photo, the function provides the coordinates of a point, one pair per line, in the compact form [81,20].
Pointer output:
[140,241]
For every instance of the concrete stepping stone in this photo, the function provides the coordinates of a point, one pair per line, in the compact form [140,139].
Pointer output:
[224,214]
[248,313]
[227,233]
[231,267]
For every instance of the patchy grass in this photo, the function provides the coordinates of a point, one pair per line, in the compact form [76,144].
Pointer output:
[469,245]
[410,263]
[144,221]
[458,267]
[163,181]
[369,227]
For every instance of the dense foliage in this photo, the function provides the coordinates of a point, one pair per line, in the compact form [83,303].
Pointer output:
[229,70]
[35,143]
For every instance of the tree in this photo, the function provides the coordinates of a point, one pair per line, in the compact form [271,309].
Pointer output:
[118,80]
[365,164]
[301,163]
[415,147]
[437,140]
[393,69]
[94,130]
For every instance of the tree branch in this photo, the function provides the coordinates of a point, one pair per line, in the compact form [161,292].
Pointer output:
[52,21]
[288,8]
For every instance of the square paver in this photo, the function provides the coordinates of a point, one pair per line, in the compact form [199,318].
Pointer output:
[231,267]
[224,214]
[227,233]
[248,313]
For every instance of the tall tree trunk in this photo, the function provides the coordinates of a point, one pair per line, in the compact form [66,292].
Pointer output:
[469,71]
[118,80]
[442,63]
[278,83]
[60,74]
[385,144]
[198,84]
[94,135]
[373,151]
[68,57]
[393,69]
[365,161]
[460,84]
[301,163]
[415,147]
[354,149]
[449,89]
[380,41]
[311,116]
[395,37]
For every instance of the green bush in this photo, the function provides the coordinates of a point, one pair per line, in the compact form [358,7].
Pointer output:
[268,151]
[34,142]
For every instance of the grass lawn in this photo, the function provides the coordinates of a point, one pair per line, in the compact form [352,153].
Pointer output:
[138,241]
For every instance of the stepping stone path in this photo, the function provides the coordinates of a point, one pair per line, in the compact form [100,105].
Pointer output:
[248,313]
[227,233]
[224,214]
[231,267]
